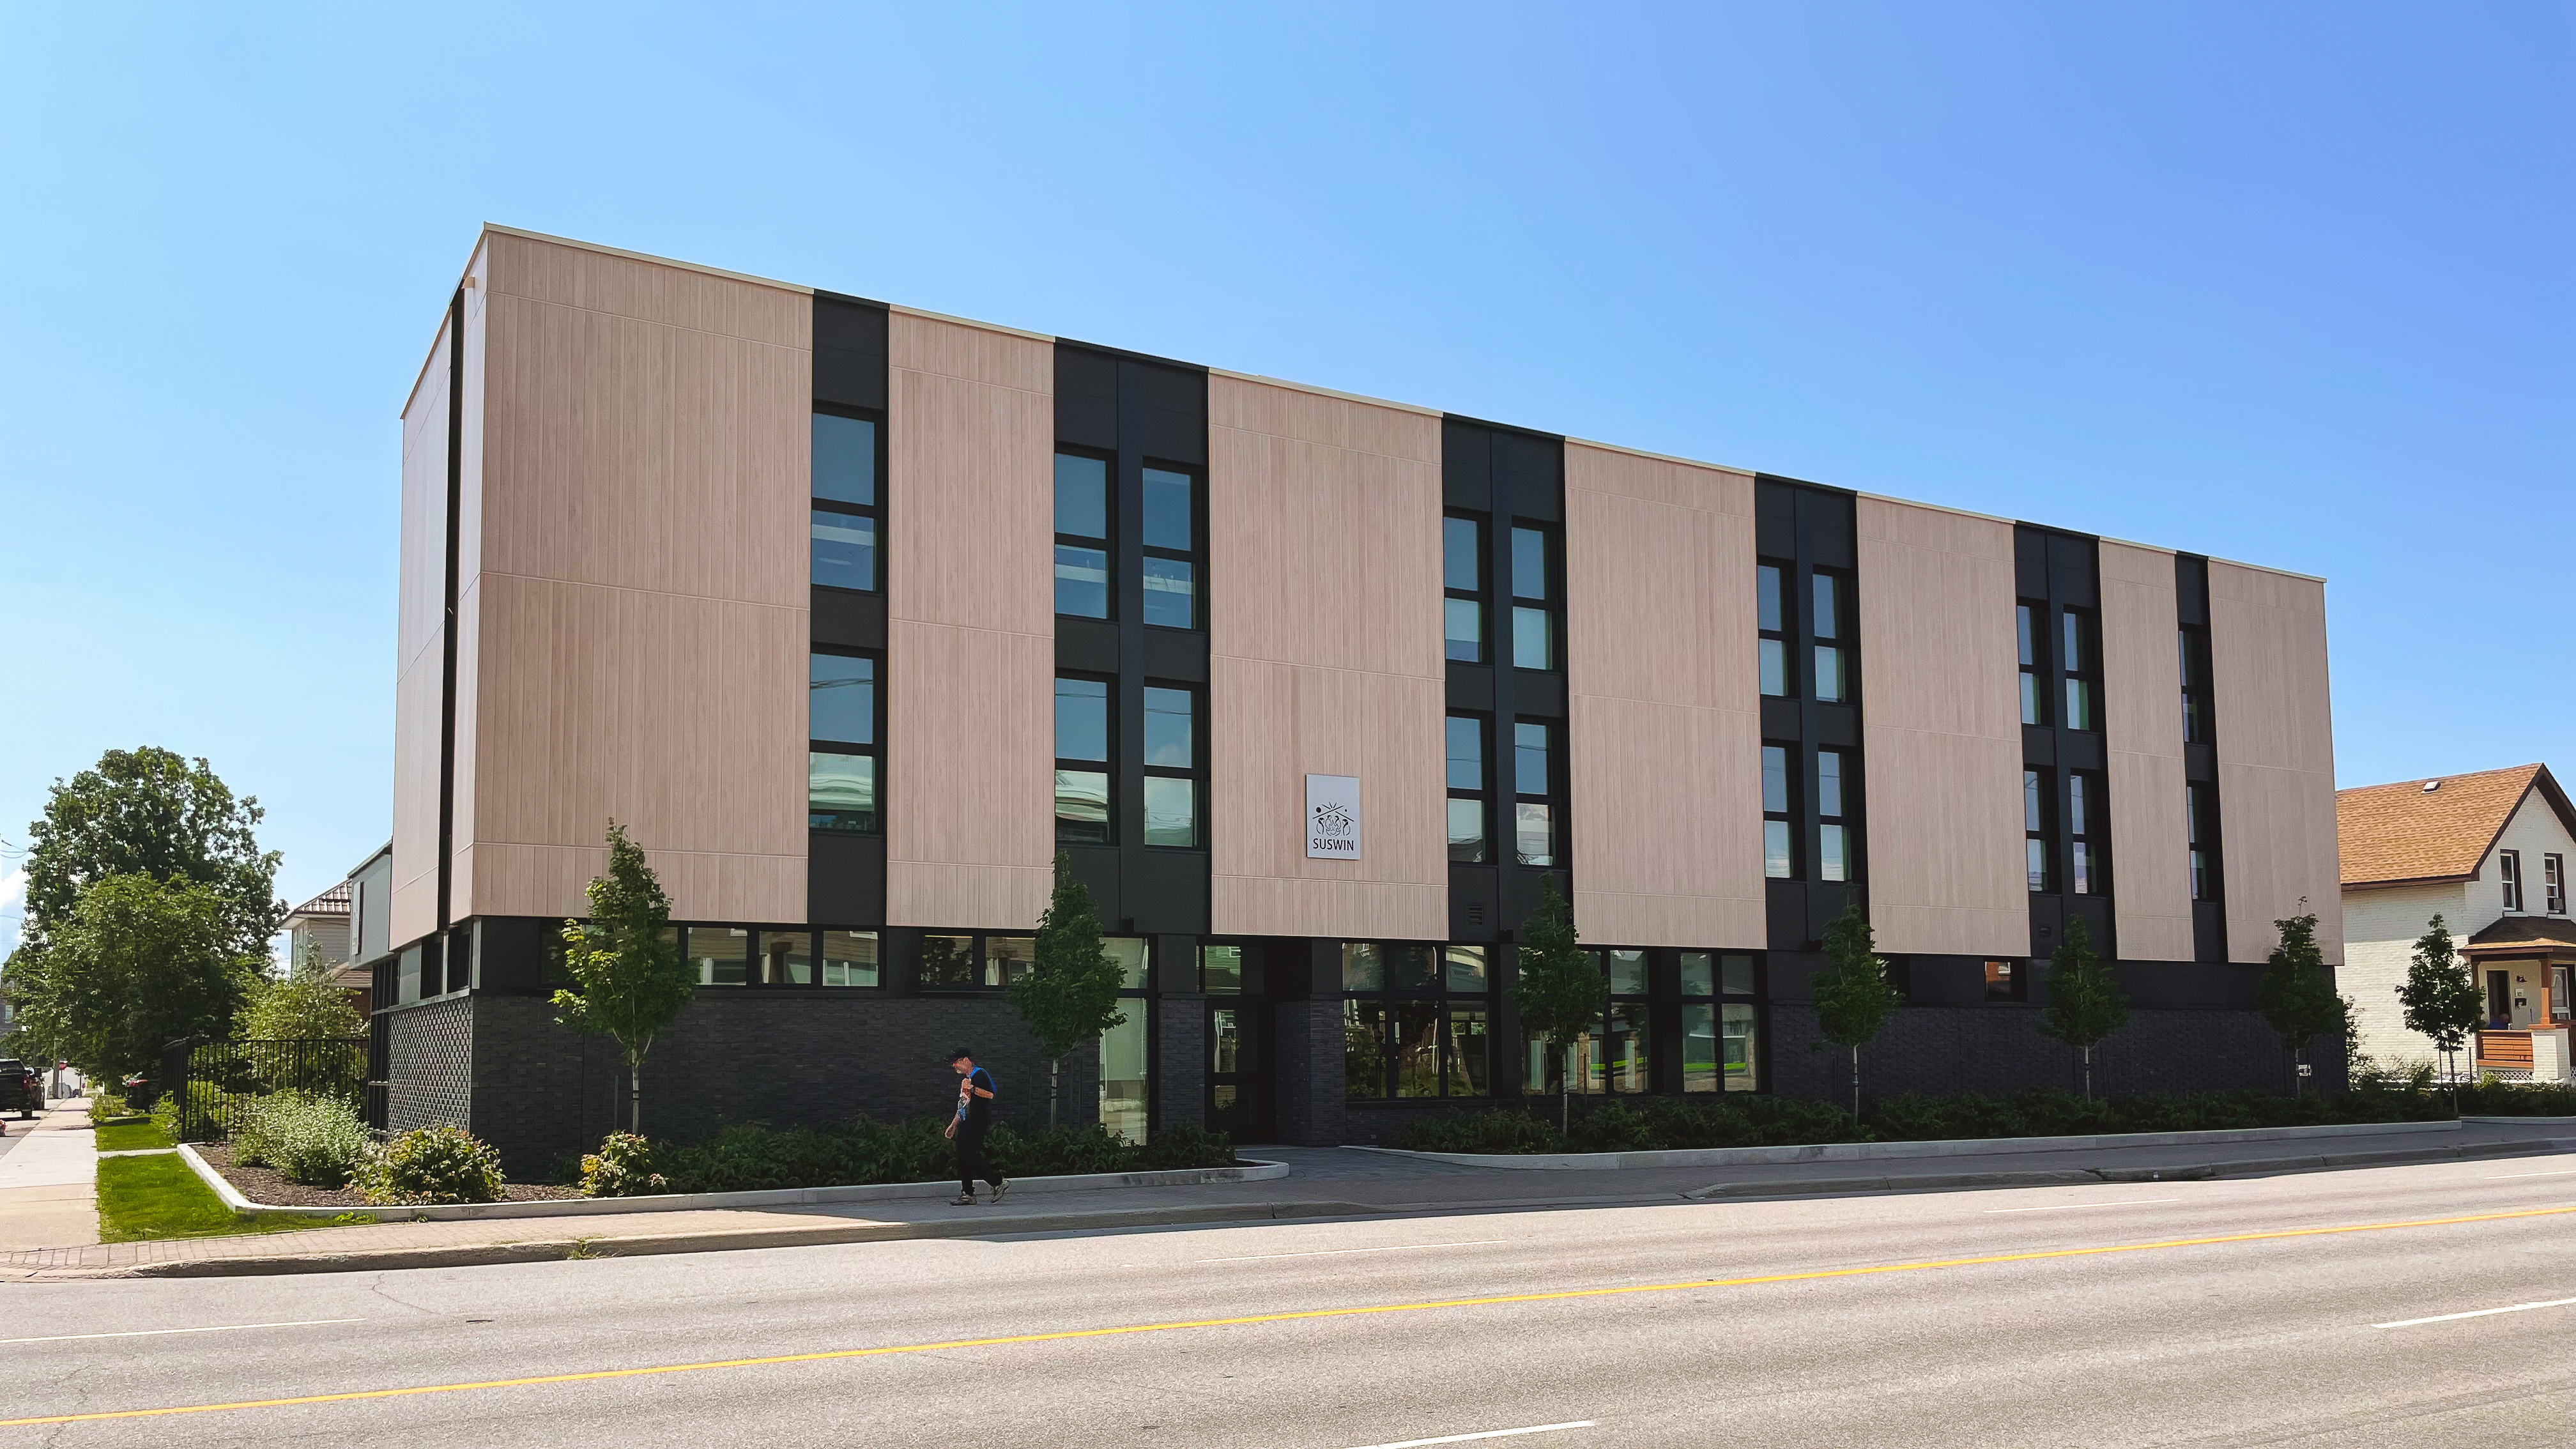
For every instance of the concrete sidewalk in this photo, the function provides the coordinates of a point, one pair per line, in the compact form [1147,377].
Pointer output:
[1323,1182]
[49,1182]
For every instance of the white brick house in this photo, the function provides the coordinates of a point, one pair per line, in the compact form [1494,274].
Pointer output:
[2490,852]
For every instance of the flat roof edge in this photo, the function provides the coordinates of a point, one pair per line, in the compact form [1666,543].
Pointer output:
[1310,388]
[1663,457]
[968,322]
[495,228]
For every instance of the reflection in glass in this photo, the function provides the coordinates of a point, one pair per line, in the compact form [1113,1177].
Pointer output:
[1082,807]
[2036,853]
[1464,630]
[1363,968]
[1736,1047]
[845,459]
[721,955]
[788,958]
[1081,581]
[1533,834]
[1828,610]
[1777,862]
[1699,1047]
[1225,1040]
[1131,955]
[1832,845]
[1169,738]
[1831,685]
[2075,805]
[1627,972]
[1775,779]
[1735,975]
[1410,968]
[841,699]
[840,792]
[1171,593]
[1467,1066]
[2032,801]
[1533,641]
[2028,641]
[844,550]
[1619,1058]
[1221,970]
[1171,811]
[1364,1057]
[1767,599]
[1008,958]
[948,961]
[1416,1031]
[1467,831]
[2030,699]
[1081,719]
[1462,563]
[1699,974]
[1466,968]
[1122,1077]
[1081,497]
[1466,753]
[2073,660]
[1529,564]
[2079,704]
[2082,884]
[1829,782]
[850,958]
[1168,513]
[1775,668]
[1529,758]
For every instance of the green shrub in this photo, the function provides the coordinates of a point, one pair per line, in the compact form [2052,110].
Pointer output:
[432,1165]
[1183,1146]
[316,1140]
[213,1113]
[751,1157]
[1505,1130]
[622,1167]
[2490,1097]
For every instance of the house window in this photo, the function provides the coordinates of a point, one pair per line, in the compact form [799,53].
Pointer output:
[1171,766]
[2509,867]
[2553,883]
[1462,582]
[841,746]
[2088,831]
[1534,644]
[2075,643]
[1779,833]
[1771,614]
[1416,1021]
[2033,694]
[844,462]
[1082,762]
[1719,1023]
[1171,536]
[1081,536]
[2197,820]
[1837,792]
[1832,608]
[2034,825]
[1467,789]
[1533,782]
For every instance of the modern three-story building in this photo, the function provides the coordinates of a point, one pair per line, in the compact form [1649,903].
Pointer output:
[856,617]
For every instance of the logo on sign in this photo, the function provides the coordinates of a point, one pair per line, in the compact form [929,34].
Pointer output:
[1332,817]
[1332,820]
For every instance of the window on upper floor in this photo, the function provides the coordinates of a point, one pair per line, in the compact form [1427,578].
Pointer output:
[841,721]
[1534,632]
[2088,834]
[1534,773]
[2195,688]
[1462,583]
[1082,536]
[1837,798]
[2509,870]
[2031,639]
[2200,820]
[1771,618]
[844,538]
[2553,883]
[2036,852]
[2076,648]
[1172,529]
[1833,623]
[1467,789]
[1779,830]
[1171,766]
[1082,815]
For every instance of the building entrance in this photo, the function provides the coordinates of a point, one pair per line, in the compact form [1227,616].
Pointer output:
[1238,1075]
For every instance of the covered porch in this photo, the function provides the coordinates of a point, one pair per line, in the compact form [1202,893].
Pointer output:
[2523,964]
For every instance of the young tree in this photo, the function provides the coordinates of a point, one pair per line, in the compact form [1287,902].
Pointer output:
[1854,1000]
[1557,989]
[2296,996]
[149,812]
[2441,999]
[2085,1002]
[304,1005]
[136,963]
[1069,994]
[628,979]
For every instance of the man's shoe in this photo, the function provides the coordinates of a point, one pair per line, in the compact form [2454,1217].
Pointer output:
[963,1199]
[1000,1188]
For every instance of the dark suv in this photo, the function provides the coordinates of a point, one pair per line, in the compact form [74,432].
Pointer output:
[22,1088]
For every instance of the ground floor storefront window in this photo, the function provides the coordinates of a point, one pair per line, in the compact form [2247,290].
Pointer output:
[1416,1021]
[1126,1055]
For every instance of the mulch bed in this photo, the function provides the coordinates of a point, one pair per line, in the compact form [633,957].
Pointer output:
[268,1185]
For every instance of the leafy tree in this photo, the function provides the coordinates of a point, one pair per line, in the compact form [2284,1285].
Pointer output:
[1069,994]
[2441,999]
[629,982]
[1557,988]
[134,965]
[2085,1002]
[149,812]
[304,1004]
[1854,1000]
[2296,996]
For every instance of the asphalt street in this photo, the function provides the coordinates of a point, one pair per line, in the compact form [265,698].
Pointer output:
[2228,1312]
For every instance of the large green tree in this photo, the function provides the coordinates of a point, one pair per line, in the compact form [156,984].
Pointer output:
[2296,995]
[2440,998]
[150,812]
[2085,1002]
[1855,999]
[1557,988]
[629,982]
[1069,994]
[135,964]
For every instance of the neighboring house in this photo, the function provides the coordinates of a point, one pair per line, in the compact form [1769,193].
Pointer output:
[337,925]
[2489,852]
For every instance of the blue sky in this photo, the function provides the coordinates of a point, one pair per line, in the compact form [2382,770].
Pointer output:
[2289,283]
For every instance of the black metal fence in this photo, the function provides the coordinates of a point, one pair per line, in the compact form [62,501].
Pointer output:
[206,1080]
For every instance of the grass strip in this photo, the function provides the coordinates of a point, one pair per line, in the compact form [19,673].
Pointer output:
[130,1135]
[143,1198]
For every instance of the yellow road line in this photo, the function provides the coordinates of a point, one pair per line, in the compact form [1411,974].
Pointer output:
[1309,1313]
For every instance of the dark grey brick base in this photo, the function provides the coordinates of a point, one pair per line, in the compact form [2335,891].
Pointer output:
[1998,1048]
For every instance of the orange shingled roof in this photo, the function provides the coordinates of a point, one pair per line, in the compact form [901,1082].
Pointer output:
[2404,832]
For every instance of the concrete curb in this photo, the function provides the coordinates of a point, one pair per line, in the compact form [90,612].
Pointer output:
[2183,1172]
[691,1201]
[1866,1151]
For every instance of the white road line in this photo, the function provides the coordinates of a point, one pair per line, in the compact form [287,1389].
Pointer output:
[157,1332]
[1341,1252]
[2501,1176]
[2478,1313]
[2059,1207]
[1488,1434]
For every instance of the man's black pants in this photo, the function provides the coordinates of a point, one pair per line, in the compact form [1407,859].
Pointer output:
[970,1159]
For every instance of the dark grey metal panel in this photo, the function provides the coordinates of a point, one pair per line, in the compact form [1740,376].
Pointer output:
[1180,656]
[1086,646]
[849,351]
[848,618]
[844,878]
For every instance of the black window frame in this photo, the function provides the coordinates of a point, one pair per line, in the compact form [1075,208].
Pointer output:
[2192,657]
[1479,596]
[1195,773]
[2080,667]
[1786,817]
[1106,767]
[2553,884]
[2199,806]
[1553,800]
[1550,608]
[1195,556]
[1841,642]
[759,974]
[2032,647]
[2038,792]
[1106,544]
[1483,792]
[1718,998]
[1784,637]
[873,512]
[2089,828]
[1443,1001]
[873,749]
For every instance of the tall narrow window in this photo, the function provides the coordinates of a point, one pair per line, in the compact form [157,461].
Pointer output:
[1718,1023]
[841,743]
[2075,656]
[1779,836]
[2204,860]
[1466,789]
[844,548]
[2553,883]
[2034,824]
[1622,1060]
[1833,684]
[1462,581]
[1081,536]
[1833,806]
[2087,830]
[2509,870]
[1533,778]
[1171,766]
[2033,694]
[1171,540]
[1771,613]
[2195,724]
[1533,620]
[1082,762]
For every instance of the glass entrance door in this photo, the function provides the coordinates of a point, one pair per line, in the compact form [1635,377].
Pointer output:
[1238,1071]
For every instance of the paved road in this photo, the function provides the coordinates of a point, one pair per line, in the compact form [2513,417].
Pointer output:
[1862,1326]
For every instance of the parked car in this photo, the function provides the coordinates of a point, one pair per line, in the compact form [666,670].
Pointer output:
[22,1088]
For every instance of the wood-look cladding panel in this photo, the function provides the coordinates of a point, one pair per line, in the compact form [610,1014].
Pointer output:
[647,291]
[469,680]
[2142,734]
[420,609]
[1324,634]
[412,910]
[1941,713]
[970,646]
[1665,746]
[539,880]
[2275,728]
[681,718]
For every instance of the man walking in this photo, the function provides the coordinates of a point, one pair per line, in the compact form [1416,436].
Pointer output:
[974,1117]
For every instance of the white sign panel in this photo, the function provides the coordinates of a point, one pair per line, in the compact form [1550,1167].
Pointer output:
[1332,817]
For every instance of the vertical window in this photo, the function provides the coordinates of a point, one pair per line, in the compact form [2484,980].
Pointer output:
[1718,1031]
[1466,789]
[2032,693]
[1171,539]
[2509,869]
[1081,536]
[1533,621]
[1833,836]
[1771,615]
[1779,852]
[1171,767]
[1415,1021]
[844,550]
[2034,824]
[1533,772]
[2197,820]
[1124,1075]
[2553,884]
[1462,581]
[2087,833]
[841,743]
[2195,726]
[1621,1055]
[2075,646]
[1082,762]
[1832,682]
